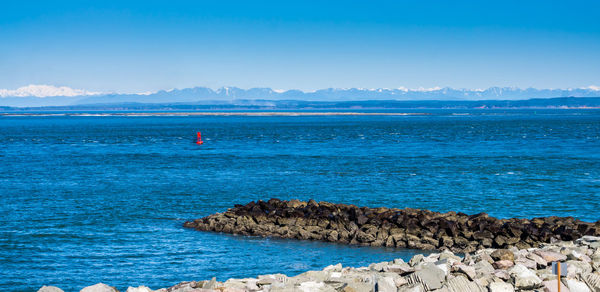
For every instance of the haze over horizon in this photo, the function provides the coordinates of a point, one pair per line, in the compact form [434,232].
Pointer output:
[147,46]
[42,90]
[45,95]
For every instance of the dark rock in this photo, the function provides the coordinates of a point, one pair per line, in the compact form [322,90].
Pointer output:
[362,219]
[412,228]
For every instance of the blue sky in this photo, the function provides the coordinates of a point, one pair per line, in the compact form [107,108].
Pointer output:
[133,46]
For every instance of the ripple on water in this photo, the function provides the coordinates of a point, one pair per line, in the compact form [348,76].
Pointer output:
[102,199]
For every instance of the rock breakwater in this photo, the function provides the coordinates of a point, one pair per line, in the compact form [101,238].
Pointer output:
[493,270]
[403,228]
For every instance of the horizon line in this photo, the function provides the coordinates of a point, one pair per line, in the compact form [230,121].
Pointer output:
[45,90]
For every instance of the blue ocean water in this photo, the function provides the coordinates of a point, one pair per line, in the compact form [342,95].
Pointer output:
[103,199]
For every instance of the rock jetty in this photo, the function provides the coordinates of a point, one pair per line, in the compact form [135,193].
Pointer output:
[403,228]
[486,270]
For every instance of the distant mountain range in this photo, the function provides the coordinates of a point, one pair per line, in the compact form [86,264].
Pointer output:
[358,105]
[43,95]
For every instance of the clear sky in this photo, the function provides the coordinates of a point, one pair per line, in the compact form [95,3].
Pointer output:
[133,46]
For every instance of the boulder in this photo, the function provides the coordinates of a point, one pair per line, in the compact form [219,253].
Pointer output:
[468,271]
[576,285]
[503,264]
[100,287]
[551,286]
[333,268]
[314,287]
[592,280]
[212,284]
[551,256]
[411,288]
[378,267]
[400,269]
[430,276]
[449,256]
[468,259]
[318,276]
[443,265]
[139,289]
[484,256]
[385,284]
[416,259]
[483,268]
[500,287]
[530,264]
[541,263]
[187,286]
[237,283]
[432,258]
[503,255]
[332,236]
[588,239]
[462,284]
[49,289]
[234,289]
[359,285]
[576,254]
[524,278]
[577,268]
[252,284]
[501,274]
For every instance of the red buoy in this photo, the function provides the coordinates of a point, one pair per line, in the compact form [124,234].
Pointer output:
[199,140]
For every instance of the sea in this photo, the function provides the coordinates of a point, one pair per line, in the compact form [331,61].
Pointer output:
[102,198]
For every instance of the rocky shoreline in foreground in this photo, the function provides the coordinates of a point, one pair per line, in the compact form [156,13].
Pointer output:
[402,228]
[493,270]
[475,252]
[220,113]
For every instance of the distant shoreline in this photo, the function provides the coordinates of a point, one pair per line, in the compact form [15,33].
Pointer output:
[310,105]
[253,114]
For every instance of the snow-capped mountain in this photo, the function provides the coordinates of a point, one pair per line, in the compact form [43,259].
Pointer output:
[44,95]
[44,91]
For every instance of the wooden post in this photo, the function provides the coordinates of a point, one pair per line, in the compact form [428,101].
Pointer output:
[558,276]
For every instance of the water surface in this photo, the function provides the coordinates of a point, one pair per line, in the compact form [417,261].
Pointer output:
[91,199]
